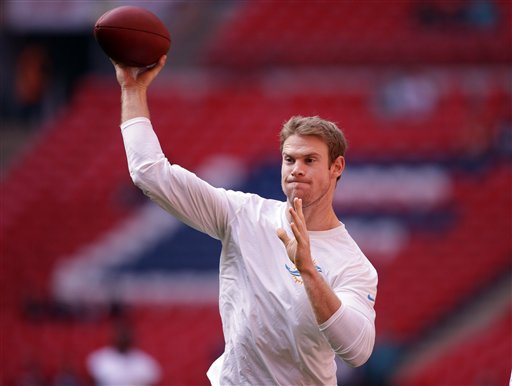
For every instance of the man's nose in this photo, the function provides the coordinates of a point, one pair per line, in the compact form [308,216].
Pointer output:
[297,169]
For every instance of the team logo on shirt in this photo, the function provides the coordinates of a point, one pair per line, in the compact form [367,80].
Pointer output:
[294,272]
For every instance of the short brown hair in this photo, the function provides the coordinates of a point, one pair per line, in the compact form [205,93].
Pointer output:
[326,130]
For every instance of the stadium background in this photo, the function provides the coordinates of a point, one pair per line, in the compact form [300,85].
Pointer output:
[423,92]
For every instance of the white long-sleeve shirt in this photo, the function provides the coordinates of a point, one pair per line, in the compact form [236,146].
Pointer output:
[271,334]
[109,367]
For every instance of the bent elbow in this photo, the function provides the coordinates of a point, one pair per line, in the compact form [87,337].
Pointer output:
[358,360]
[362,350]
[137,178]
[142,174]
[351,335]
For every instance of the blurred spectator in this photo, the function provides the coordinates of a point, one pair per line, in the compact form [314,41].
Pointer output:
[482,14]
[457,14]
[122,363]
[32,79]
[408,95]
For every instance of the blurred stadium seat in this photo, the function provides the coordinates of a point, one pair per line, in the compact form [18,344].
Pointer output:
[326,33]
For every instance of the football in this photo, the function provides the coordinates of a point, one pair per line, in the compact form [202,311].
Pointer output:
[132,36]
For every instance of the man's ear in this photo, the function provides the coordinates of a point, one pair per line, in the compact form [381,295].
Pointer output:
[338,166]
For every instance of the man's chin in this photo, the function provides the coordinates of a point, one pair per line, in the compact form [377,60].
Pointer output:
[294,194]
[298,195]
[291,194]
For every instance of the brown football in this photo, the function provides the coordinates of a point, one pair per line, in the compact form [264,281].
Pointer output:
[132,36]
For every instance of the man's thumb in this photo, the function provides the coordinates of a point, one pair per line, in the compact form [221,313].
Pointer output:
[283,236]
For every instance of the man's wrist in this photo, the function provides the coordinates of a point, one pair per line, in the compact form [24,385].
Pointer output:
[134,89]
[308,271]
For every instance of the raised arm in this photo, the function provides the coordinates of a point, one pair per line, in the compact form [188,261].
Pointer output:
[134,84]
[178,191]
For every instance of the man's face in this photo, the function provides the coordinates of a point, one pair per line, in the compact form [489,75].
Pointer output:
[305,171]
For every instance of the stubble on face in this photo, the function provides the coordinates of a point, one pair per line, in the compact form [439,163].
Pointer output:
[305,170]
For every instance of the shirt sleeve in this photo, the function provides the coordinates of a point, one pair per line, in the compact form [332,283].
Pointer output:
[350,334]
[351,329]
[177,190]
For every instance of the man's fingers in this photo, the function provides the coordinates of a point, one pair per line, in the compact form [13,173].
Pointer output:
[141,75]
[161,61]
[297,204]
[297,215]
[295,231]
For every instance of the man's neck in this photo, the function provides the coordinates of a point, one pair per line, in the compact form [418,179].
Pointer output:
[319,219]
[323,222]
